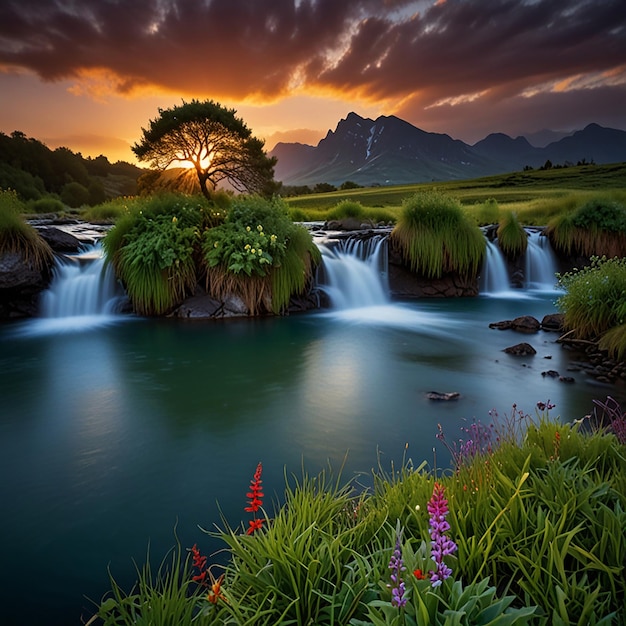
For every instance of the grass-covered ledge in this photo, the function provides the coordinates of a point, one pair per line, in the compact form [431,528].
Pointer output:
[164,246]
[527,526]
[436,237]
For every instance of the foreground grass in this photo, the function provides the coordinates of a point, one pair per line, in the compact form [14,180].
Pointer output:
[532,514]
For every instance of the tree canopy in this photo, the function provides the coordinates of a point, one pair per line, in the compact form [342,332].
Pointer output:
[214,140]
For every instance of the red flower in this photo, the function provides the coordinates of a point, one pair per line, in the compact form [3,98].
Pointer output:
[419,574]
[199,562]
[255,524]
[255,494]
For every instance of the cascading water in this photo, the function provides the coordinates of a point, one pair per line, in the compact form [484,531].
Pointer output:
[82,285]
[354,273]
[83,294]
[540,263]
[494,278]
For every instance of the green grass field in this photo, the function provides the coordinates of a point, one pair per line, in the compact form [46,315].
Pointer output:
[535,195]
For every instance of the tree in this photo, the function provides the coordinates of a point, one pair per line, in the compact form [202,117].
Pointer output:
[218,144]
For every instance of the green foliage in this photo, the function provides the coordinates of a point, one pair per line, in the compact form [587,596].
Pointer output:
[596,228]
[34,171]
[152,248]
[165,597]
[75,195]
[218,144]
[18,237]
[485,213]
[538,514]
[346,208]
[595,301]
[258,241]
[512,238]
[46,205]
[307,566]
[435,237]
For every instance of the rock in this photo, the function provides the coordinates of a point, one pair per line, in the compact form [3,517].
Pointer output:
[521,349]
[525,324]
[503,325]
[566,379]
[59,240]
[450,395]
[15,271]
[553,322]
[550,373]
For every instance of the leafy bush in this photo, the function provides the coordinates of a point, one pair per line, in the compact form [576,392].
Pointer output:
[596,228]
[594,304]
[346,208]
[259,254]
[46,205]
[18,237]
[152,248]
[435,237]
[512,238]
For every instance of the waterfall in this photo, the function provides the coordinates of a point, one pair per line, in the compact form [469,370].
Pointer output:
[494,277]
[354,273]
[83,284]
[540,263]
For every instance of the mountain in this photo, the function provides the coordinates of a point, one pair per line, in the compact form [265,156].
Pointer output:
[390,151]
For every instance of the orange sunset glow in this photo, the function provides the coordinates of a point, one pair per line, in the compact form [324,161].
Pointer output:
[90,75]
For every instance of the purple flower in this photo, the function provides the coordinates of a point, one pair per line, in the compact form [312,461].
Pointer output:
[396,565]
[441,545]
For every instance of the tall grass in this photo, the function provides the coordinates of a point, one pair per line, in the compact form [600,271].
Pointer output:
[594,304]
[19,237]
[512,238]
[537,509]
[595,228]
[435,237]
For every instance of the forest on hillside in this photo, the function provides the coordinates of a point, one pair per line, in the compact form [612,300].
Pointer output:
[34,171]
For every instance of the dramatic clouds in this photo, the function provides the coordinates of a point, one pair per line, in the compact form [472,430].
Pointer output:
[460,66]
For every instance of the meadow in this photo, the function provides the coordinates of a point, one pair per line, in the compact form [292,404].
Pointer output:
[535,195]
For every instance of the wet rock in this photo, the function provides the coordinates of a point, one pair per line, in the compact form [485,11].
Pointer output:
[566,379]
[550,373]
[59,240]
[521,349]
[524,324]
[553,322]
[439,396]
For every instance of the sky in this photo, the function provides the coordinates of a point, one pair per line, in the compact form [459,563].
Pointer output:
[90,74]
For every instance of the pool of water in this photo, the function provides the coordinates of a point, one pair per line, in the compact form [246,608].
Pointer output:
[113,435]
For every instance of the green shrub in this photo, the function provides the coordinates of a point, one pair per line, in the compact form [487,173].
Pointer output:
[486,213]
[512,238]
[595,301]
[596,228]
[46,205]
[153,251]
[346,209]
[435,237]
[18,237]
[259,254]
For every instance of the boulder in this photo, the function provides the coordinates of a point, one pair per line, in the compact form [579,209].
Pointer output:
[553,322]
[20,286]
[521,349]
[59,240]
[524,324]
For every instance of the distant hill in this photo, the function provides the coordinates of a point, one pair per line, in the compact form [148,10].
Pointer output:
[390,151]
[34,171]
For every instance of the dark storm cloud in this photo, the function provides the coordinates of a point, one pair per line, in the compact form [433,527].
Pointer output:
[372,48]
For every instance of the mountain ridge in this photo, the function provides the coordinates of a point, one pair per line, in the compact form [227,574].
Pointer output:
[389,150]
